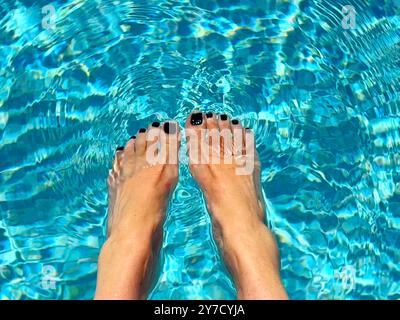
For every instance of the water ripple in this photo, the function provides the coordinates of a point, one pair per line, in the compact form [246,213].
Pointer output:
[323,102]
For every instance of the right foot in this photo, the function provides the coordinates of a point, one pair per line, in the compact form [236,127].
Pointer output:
[139,192]
[236,205]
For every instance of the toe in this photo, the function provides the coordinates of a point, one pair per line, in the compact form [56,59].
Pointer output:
[152,145]
[169,146]
[211,120]
[170,142]
[248,160]
[249,143]
[129,150]
[213,137]
[238,138]
[226,137]
[196,130]
[128,159]
[195,135]
[111,180]
[117,164]
[140,144]
[224,122]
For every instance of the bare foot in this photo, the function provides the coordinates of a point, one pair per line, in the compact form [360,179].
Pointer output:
[235,202]
[144,175]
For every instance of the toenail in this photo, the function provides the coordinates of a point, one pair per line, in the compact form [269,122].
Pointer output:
[224,117]
[209,114]
[169,127]
[235,121]
[133,137]
[248,129]
[120,148]
[155,124]
[142,130]
[196,119]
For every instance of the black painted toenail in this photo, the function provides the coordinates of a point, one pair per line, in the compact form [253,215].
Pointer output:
[120,148]
[170,128]
[155,124]
[224,117]
[196,119]
[133,137]
[209,114]
[248,129]
[235,121]
[142,130]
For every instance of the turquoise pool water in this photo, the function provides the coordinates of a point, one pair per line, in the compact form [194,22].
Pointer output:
[323,99]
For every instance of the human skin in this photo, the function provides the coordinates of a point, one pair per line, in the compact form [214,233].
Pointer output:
[138,198]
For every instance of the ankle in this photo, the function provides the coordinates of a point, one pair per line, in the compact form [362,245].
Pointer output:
[123,269]
[253,259]
[136,246]
[250,246]
[129,228]
[238,220]
[250,233]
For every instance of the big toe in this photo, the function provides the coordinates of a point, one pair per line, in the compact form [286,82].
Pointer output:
[195,131]
[170,142]
[169,147]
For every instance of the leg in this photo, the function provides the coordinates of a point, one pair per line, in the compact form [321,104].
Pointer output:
[139,190]
[236,204]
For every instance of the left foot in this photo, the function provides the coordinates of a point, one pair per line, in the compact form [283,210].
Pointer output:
[139,191]
[234,199]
